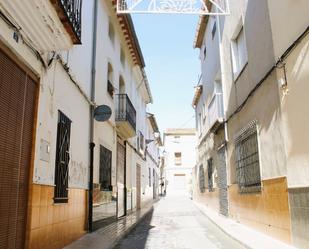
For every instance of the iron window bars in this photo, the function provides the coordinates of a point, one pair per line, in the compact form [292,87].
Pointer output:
[62,159]
[105,169]
[210,175]
[247,160]
[201,174]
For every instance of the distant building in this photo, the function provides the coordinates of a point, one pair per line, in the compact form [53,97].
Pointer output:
[179,159]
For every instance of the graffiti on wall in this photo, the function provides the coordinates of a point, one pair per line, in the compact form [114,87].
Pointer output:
[78,175]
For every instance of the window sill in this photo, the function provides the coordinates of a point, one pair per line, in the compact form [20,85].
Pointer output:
[238,74]
[250,190]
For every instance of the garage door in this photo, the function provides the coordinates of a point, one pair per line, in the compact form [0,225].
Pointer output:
[17,101]
[179,182]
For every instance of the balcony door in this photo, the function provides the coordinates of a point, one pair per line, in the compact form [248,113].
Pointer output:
[121,197]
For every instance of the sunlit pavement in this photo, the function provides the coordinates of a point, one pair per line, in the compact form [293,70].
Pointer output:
[176,223]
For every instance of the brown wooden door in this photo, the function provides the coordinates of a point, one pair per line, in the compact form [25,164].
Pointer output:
[17,105]
[138,186]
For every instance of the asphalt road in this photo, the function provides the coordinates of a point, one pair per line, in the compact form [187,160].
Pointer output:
[176,223]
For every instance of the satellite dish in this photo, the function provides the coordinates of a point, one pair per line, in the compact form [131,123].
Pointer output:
[102,113]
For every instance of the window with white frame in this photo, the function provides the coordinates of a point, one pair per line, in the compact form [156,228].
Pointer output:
[239,53]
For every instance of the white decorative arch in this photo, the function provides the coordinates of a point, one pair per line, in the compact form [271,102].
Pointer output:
[200,7]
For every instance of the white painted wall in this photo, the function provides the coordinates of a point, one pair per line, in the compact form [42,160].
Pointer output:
[184,144]
[58,92]
[289,19]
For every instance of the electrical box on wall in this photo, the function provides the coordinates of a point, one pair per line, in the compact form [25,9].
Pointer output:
[44,150]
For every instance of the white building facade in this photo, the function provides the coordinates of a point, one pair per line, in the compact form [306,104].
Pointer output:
[179,159]
[55,70]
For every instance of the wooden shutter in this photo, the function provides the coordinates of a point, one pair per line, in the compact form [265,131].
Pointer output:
[17,109]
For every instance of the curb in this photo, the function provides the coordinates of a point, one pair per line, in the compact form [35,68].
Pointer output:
[222,229]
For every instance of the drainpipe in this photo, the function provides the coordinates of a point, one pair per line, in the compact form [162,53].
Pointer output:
[223,77]
[91,121]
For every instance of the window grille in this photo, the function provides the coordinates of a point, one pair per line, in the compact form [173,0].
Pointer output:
[247,160]
[201,179]
[105,168]
[210,175]
[62,159]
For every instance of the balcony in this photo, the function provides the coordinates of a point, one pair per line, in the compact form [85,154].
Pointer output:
[215,112]
[125,116]
[54,25]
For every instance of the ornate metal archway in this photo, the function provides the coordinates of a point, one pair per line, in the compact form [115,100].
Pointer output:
[201,7]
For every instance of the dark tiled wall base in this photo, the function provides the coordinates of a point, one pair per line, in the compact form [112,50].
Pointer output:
[299,204]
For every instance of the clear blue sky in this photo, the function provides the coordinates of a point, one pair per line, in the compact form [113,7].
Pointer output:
[172,65]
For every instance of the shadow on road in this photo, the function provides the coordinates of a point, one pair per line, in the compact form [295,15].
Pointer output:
[138,236]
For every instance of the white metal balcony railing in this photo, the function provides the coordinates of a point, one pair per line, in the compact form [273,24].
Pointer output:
[215,111]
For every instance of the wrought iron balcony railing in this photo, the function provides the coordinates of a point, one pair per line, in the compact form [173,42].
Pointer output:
[73,13]
[124,110]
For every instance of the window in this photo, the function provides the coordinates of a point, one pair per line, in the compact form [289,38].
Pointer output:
[111,32]
[177,158]
[214,29]
[200,123]
[247,160]
[204,112]
[110,87]
[201,179]
[62,159]
[122,57]
[140,142]
[239,53]
[149,177]
[105,169]
[205,52]
[176,139]
[210,175]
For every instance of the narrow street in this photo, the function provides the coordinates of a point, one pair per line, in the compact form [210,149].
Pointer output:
[176,223]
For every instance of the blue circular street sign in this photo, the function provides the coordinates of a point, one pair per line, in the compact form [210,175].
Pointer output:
[102,113]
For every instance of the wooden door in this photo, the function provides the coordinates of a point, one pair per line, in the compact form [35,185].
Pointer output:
[17,111]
